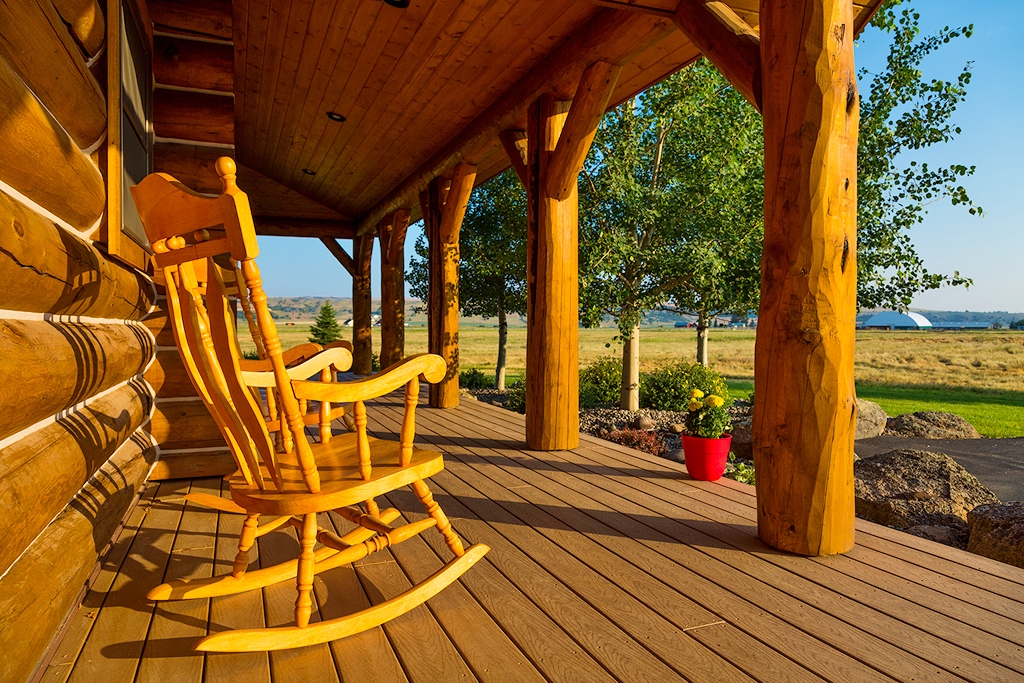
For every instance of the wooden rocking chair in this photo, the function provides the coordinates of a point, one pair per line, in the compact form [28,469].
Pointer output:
[336,474]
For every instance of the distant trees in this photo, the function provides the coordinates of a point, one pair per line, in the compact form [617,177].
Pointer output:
[325,328]
[903,112]
[492,266]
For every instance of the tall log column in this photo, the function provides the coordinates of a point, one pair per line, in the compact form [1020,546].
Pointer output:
[558,139]
[362,306]
[805,410]
[391,233]
[442,217]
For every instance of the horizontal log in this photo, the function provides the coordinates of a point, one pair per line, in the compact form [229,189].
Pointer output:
[180,61]
[46,269]
[191,165]
[41,588]
[184,424]
[193,465]
[35,41]
[85,18]
[160,324]
[48,367]
[211,18]
[303,227]
[201,117]
[40,160]
[168,377]
[63,455]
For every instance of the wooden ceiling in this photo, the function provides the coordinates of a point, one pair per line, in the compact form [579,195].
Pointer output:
[424,87]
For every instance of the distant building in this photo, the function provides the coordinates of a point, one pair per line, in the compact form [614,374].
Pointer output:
[961,325]
[894,320]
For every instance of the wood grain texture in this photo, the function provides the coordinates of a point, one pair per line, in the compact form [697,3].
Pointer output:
[391,234]
[727,41]
[35,41]
[41,587]
[362,305]
[184,424]
[192,465]
[186,63]
[85,19]
[803,429]
[48,367]
[202,117]
[211,19]
[46,269]
[47,167]
[552,337]
[64,454]
[168,377]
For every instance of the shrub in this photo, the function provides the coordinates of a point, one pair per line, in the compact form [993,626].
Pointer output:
[374,362]
[742,471]
[600,382]
[669,386]
[516,397]
[325,328]
[639,439]
[250,355]
[474,379]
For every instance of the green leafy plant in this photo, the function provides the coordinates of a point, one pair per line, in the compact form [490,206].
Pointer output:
[639,439]
[669,387]
[325,328]
[740,471]
[707,417]
[374,362]
[474,379]
[516,397]
[250,355]
[600,383]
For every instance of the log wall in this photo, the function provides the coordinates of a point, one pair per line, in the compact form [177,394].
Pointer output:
[73,403]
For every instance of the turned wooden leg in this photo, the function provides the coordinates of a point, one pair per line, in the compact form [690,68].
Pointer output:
[245,542]
[372,508]
[304,578]
[435,511]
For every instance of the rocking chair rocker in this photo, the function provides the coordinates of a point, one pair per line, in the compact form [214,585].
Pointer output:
[335,474]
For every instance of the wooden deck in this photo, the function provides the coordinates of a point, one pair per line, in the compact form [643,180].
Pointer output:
[605,564]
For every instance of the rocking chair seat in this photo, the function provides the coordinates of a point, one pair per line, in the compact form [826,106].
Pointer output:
[340,481]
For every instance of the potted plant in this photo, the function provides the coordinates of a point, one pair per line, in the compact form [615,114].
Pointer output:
[706,443]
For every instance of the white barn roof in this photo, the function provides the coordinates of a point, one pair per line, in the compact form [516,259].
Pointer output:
[895,319]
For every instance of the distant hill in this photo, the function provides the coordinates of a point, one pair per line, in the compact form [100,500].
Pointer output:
[1003,317]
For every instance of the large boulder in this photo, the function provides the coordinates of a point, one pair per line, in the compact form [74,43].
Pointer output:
[870,419]
[907,488]
[932,425]
[997,531]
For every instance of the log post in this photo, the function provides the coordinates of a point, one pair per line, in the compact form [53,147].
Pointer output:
[362,306]
[805,410]
[391,233]
[442,218]
[558,139]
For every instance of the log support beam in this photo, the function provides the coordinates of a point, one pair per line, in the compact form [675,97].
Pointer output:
[727,41]
[559,136]
[391,233]
[358,266]
[805,411]
[443,213]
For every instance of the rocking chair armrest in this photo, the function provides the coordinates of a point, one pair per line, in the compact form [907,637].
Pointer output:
[430,367]
[295,354]
[339,357]
[340,344]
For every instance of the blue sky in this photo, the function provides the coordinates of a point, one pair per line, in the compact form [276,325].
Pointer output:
[989,249]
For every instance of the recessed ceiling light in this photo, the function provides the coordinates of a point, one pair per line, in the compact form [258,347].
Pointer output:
[400,4]
[308,172]
[335,116]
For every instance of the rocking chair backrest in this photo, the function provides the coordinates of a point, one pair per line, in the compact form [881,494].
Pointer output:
[185,227]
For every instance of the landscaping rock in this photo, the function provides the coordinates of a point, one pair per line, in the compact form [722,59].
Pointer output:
[931,425]
[645,423]
[946,535]
[677,427]
[593,419]
[870,419]
[907,489]
[997,531]
[676,455]
[742,442]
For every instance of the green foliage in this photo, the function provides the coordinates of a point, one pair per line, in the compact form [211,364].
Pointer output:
[250,355]
[1017,324]
[374,362]
[516,397]
[600,382]
[995,413]
[707,416]
[474,379]
[904,112]
[325,328]
[669,386]
[741,471]
[639,439]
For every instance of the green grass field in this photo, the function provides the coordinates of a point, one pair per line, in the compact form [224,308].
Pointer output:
[977,375]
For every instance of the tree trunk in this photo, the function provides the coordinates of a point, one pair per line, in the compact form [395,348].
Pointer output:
[629,395]
[499,367]
[703,322]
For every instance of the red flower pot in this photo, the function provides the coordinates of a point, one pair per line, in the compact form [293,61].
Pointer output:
[706,458]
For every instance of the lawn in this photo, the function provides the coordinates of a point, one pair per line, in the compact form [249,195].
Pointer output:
[977,375]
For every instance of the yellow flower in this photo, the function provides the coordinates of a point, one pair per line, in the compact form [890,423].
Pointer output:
[694,405]
[714,401]
[696,393]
